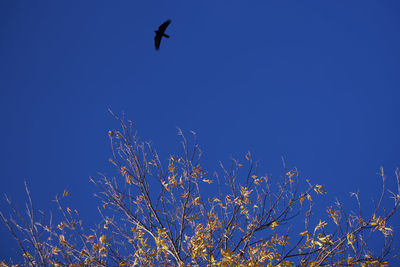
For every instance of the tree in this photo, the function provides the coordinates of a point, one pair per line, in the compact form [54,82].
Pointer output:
[157,216]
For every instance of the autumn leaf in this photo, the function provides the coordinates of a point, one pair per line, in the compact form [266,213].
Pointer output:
[305,233]
[62,239]
[319,189]
[165,185]
[274,224]
[66,193]
[55,250]
[320,225]
[103,240]
[245,192]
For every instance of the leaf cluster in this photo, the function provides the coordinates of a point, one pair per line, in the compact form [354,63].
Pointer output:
[153,215]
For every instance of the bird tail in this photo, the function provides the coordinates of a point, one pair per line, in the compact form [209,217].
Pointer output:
[165,35]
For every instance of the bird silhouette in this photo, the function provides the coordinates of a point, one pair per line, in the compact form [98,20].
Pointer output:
[161,33]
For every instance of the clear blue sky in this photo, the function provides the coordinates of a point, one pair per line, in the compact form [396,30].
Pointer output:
[314,81]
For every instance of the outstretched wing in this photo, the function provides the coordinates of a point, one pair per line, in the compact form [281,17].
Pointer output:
[157,41]
[164,26]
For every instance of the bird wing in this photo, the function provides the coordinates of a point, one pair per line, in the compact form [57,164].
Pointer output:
[157,41]
[164,26]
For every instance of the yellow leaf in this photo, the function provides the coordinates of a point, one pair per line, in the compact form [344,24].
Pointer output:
[325,239]
[89,239]
[196,201]
[124,170]
[55,251]
[62,240]
[319,189]
[165,185]
[66,193]
[320,225]
[301,199]
[350,239]
[245,193]
[305,233]
[103,240]
[274,225]
[171,168]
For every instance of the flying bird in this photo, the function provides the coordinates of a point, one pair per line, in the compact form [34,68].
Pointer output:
[160,33]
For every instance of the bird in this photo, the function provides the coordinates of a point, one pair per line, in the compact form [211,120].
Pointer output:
[161,33]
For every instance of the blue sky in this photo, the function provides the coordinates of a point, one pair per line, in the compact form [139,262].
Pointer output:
[315,82]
